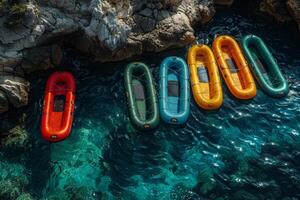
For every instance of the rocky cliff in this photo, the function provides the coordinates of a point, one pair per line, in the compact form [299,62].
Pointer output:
[282,10]
[293,6]
[32,31]
[109,30]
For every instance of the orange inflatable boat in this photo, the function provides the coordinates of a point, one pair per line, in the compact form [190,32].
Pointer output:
[58,107]
[205,79]
[234,67]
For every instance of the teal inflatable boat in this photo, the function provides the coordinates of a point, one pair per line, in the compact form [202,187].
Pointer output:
[174,91]
[264,66]
[141,95]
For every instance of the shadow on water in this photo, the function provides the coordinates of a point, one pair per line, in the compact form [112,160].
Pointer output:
[38,153]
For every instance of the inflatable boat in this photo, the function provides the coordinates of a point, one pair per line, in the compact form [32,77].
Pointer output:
[141,95]
[205,78]
[174,91]
[264,66]
[58,107]
[234,68]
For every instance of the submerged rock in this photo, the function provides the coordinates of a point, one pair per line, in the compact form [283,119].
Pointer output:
[276,8]
[13,189]
[16,137]
[282,10]
[293,7]
[13,182]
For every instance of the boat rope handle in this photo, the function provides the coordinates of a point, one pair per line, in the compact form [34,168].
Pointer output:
[139,77]
[275,80]
[175,71]
[60,90]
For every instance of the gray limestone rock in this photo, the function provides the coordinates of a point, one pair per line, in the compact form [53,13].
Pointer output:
[108,30]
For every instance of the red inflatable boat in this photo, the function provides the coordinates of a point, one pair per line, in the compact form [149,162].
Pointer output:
[58,107]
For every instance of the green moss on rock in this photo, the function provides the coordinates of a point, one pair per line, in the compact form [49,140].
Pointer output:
[17,11]
[15,138]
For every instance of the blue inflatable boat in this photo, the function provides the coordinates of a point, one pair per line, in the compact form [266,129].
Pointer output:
[174,93]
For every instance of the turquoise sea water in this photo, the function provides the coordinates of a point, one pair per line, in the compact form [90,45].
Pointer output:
[245,150]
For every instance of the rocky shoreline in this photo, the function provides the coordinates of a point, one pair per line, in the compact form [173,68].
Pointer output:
[32,32]
[106,30]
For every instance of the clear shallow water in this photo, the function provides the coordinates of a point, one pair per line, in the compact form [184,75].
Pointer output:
[246,150]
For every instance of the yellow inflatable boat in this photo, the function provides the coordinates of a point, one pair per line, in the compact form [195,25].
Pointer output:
[205,79]
[234,67]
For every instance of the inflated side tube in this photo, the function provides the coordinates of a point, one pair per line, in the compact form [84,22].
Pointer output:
[174,93]
[58,106]
[141,95]
[234,67]
[205,78]
[264,66]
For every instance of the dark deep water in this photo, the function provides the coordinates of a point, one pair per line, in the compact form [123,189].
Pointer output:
[245,150]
